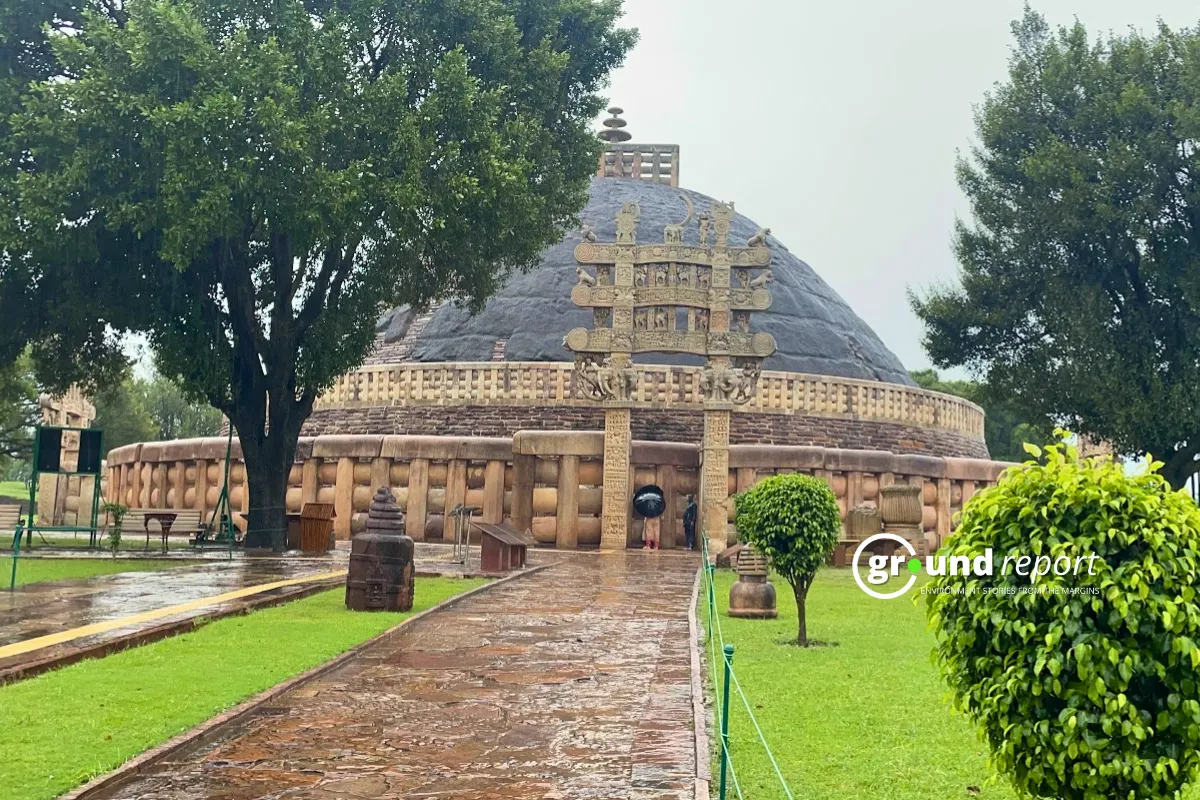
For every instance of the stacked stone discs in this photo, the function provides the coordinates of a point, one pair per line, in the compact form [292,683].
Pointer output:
[384,515]
[381,560]
[752,596]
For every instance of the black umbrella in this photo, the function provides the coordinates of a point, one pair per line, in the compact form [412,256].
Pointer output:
[649,501]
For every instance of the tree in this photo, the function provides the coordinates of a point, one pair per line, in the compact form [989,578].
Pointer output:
[121,413]
[794,521]
[1006,429]
[173,414]
[250,185]
[19,410]
[1086,689]
[1079,283]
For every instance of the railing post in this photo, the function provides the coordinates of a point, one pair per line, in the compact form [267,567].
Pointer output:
[725,718]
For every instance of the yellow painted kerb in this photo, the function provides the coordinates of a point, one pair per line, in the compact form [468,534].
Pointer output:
[62,637]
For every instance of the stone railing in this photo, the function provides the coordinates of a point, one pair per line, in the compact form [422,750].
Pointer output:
[550,482]
[550,383]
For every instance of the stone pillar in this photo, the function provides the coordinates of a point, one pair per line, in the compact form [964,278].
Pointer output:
[714,478]
[343,497]
[381,474]
[493,492]
[179,484]
[201,502]
[309,481]
[614,516]
[524,476]
[456,492]
[665,478]
[566,523]
[944,488]
[137,484]
[418,498]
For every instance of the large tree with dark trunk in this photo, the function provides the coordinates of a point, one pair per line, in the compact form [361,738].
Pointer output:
[1078,297]
[250,184]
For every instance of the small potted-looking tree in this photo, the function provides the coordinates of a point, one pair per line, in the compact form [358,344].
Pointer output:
[794,521]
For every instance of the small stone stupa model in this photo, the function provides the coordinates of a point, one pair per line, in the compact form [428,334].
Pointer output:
[381,560]
[752,596]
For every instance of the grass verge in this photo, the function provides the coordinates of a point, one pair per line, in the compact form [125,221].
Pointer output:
[37,570]
[863,716]
[130,542]
[63,728]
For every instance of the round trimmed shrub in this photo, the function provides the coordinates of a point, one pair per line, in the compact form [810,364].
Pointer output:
[794,521]
[1083,684]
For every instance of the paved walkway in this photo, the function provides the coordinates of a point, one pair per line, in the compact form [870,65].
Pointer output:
[574,682]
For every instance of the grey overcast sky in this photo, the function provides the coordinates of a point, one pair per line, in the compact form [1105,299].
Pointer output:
[837,124]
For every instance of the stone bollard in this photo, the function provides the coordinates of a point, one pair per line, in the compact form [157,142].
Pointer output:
[381,560]
[752,596]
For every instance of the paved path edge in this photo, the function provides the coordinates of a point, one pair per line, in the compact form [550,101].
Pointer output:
[20,672]
[699,713]
[198,734]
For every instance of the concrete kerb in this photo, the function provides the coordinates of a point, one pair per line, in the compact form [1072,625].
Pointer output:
[200,734]
[699,714]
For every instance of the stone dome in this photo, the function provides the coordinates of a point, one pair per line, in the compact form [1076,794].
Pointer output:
[816,331]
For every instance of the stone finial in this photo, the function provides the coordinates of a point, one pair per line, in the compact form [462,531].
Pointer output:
[384,515]
[614,124]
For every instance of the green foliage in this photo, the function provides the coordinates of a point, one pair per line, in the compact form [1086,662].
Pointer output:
[19,411]
[1080,696]
[1079,287]
[116,513]
[250,185]
[794,521]
[1006,428]
[121,413]
[148,409]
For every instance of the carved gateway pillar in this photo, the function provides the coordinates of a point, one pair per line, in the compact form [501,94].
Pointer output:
[673,297]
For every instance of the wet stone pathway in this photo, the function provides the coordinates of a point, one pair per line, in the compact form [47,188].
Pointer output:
[573,682]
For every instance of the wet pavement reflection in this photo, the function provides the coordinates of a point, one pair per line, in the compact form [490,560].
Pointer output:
[573,682]
[40,609]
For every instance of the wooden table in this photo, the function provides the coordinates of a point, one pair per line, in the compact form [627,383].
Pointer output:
[165,519]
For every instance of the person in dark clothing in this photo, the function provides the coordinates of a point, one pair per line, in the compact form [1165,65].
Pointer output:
[689,522]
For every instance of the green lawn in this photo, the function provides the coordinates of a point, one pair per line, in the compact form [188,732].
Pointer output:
[37,570]
[867,718]
[63,728]
[863,718]
[14,489]
[130,543]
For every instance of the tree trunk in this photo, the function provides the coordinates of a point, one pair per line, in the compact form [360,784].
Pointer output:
[1179,466]
[801,595]
[269,450]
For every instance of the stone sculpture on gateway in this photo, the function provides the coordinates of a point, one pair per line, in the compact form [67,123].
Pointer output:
[715,285]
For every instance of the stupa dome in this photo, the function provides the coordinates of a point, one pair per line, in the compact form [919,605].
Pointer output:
[815,330]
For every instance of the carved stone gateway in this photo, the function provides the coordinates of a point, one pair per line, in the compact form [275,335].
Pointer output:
[672,297]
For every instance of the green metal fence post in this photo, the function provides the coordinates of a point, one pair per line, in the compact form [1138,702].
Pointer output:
[12,585]
[725,717]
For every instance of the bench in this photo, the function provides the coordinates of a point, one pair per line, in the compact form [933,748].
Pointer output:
[186,522]
[9,515]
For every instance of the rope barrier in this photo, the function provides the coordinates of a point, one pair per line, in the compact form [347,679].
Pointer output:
[716,638]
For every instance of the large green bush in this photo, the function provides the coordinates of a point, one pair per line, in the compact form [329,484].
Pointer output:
[795,522]
[1084,685]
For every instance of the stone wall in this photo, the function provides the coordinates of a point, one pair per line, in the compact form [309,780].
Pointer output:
[550,482]
[658,425]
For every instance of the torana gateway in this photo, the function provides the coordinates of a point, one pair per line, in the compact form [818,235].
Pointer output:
[671,341]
